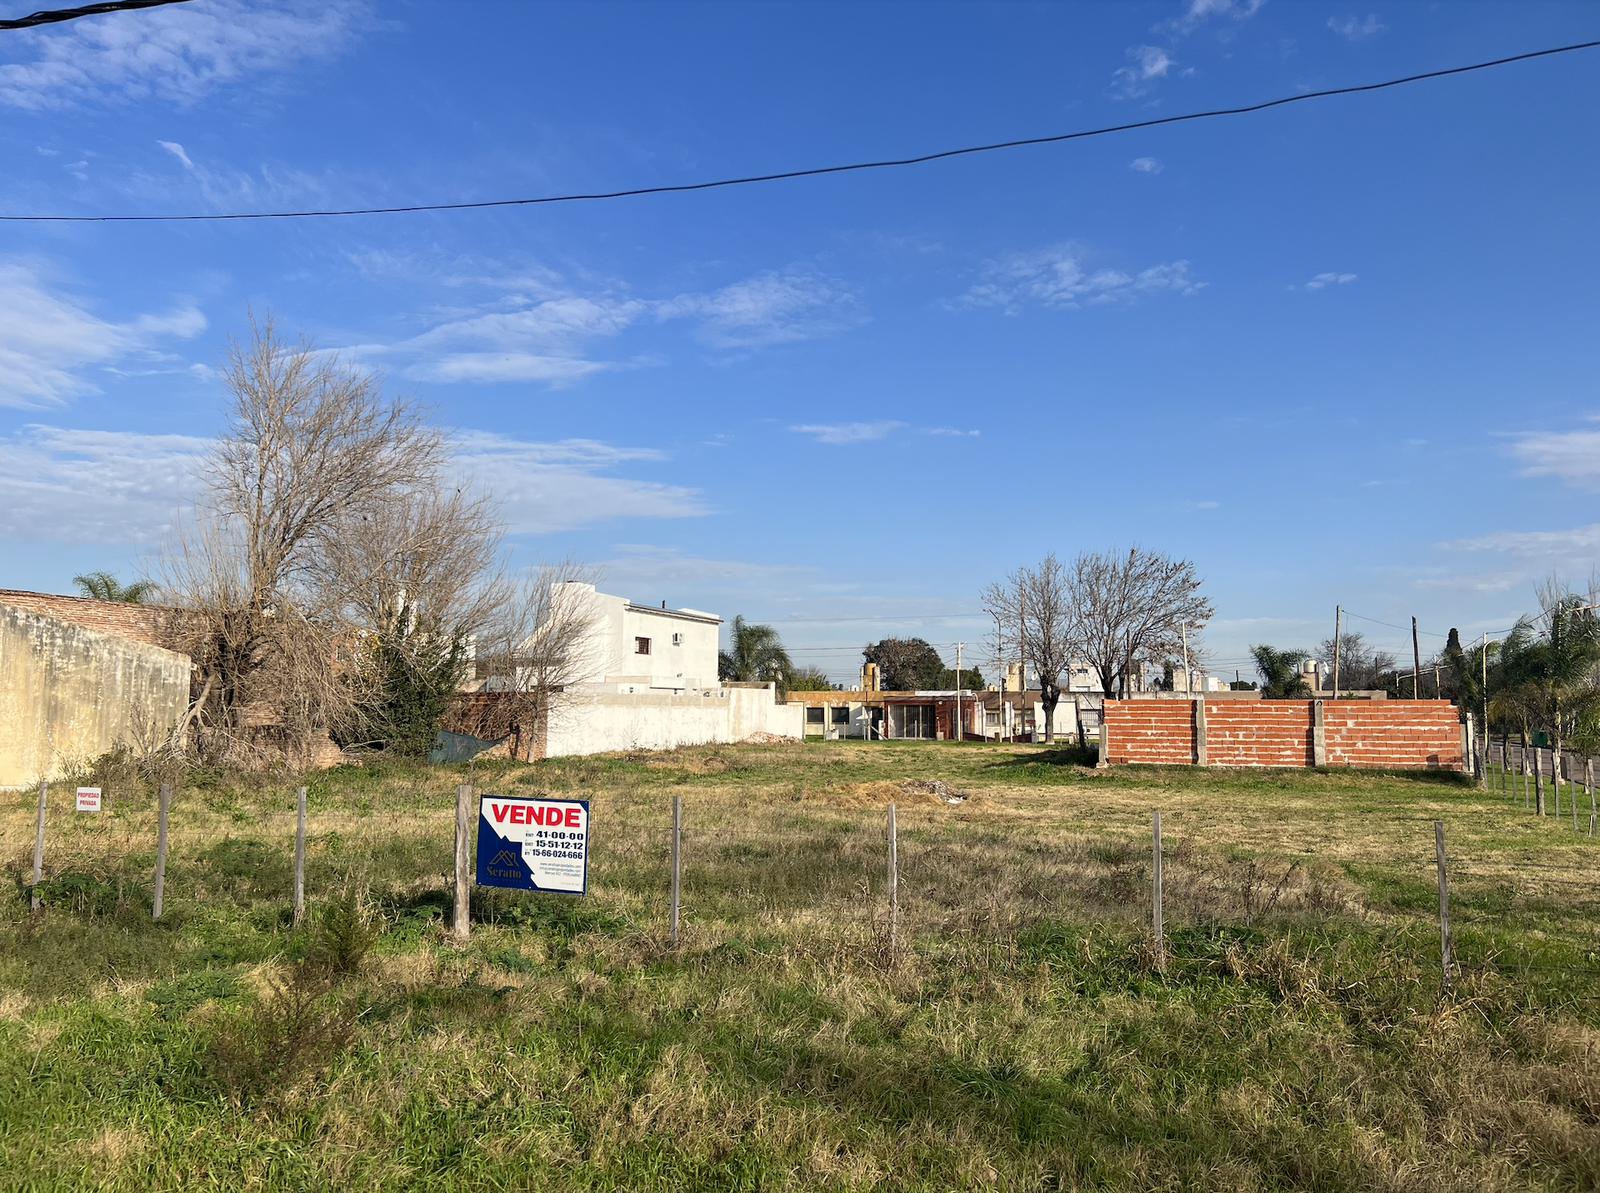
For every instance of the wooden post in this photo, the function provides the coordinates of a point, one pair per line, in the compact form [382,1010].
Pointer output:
[1588,785]
[1157,926]
[299,856]
[677,861]
[1522,754]
[1555,780]
[1446,951]
[894,883]
[1505,766]
[1572,791]
[1416,661]
[1538,782]
[38,846]
[463,861]
[163,806]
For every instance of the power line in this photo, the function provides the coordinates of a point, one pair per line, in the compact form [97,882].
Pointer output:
[52,16]
[817,171]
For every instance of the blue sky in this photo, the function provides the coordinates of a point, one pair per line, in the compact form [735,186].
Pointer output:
[1343,352]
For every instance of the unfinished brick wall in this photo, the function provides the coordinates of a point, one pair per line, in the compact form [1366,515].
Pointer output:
[1150,731]
[1397,734]
[1374,733]
[1258,733]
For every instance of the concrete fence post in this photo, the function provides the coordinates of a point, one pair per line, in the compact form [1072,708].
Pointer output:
[38,846]
[299,903]
[463,861]
[1157,924]
[1319,734]
[1200,732]
[163,806]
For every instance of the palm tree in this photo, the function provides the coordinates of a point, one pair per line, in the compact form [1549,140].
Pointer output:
[1280,672]
[1551,673]
[103,586]
[756,655]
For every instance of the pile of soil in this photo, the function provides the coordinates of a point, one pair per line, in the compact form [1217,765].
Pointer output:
[909,793]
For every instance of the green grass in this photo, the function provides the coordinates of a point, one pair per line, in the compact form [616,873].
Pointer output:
[1023,1035]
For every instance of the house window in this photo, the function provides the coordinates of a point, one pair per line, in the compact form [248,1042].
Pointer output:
[641,646]
[991,718]
[814,716]
[841,714]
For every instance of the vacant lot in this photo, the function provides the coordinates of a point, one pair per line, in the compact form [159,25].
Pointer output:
[1022,1036]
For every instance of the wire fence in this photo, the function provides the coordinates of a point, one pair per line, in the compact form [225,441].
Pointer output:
[1546,782]
[1177,890]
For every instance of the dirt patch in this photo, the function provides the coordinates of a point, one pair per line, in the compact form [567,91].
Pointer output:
[910,793]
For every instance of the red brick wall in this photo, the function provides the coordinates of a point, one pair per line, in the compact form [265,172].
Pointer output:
[1159,731]
[1420,733]
[1258,733]
[142,623]
[1400,734]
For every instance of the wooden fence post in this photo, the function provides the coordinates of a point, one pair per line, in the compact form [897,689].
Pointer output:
[38,846]
[163,806]
[299,856]
[894,883]
[677,853]
[1588,785]
[1157,925]
[1572,791]
[1446,948]
[463,861]
[1538,782]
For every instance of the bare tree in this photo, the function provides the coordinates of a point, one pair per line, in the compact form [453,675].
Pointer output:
[1132,608]
[312,448]
[543,642]
[1360,665]
[1033,608]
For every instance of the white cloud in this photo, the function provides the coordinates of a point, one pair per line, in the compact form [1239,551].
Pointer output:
[175,55]
[951,432]
[1145,65]
[1544,543]
[543,488]
[50,341]
[95,486]
[554,338]
[177,151]
[1201,506]
[1355,29]
[772,308]
[1198,12]
[1323,280]
[131,487]
[840,434]
[1057,277]
[1145,165]
[641,569]
[1570,456]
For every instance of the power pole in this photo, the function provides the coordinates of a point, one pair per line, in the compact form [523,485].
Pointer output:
[1188,683]
[1416,662]
[959,735]
[1338,631]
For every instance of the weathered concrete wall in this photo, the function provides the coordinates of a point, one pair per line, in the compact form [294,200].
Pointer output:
[596,723]
[70,692]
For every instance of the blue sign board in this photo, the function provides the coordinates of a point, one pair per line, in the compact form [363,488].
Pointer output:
[529,843]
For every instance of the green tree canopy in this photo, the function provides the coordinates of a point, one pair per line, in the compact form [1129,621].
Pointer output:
[809,679]
[907,665]
[103,586]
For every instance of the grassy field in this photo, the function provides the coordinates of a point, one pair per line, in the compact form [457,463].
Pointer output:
[1021,1037]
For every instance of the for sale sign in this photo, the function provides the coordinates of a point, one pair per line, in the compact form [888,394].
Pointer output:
[533,844]
[88,799]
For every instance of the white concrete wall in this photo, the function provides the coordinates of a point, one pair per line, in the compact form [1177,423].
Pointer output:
[599,722]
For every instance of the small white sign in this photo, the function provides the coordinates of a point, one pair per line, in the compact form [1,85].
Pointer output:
[88,799]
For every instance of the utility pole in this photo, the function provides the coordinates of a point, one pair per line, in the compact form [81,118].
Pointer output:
[959,735]
[1338,631]
[1484,652]
[1416,661]
[1188,683]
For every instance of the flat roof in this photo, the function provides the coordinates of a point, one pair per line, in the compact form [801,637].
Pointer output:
[680,614]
